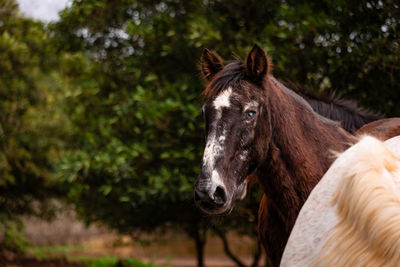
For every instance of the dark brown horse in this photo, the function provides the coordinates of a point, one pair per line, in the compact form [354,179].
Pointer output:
[255,125]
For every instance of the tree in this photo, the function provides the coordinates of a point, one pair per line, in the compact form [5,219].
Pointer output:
[139,134]
[29,126]
[350,47]
[133,96]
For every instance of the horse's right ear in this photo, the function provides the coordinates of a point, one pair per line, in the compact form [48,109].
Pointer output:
[210,64]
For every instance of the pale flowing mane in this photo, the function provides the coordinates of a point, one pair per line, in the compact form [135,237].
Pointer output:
[368,207]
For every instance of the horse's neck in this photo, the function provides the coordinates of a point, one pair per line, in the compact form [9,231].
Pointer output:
[299,152]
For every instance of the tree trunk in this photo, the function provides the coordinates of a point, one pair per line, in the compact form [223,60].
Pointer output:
[227,250]
[257,254]
[200,240]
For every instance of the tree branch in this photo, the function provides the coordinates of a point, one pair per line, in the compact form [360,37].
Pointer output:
[227,250]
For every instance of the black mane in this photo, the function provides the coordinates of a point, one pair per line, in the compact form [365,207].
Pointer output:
[345,111]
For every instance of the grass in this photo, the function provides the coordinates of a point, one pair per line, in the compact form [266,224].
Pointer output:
[47,252]
[114,262]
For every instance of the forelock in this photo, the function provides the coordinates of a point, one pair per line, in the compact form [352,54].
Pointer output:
[230,76]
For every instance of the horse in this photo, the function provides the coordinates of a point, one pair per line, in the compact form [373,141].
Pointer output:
[382,129]
[351,217]
[257,126]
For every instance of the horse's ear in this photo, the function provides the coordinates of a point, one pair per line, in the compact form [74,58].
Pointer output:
[257,64]
[210,64]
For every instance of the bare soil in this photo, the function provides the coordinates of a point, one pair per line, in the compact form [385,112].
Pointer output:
[171,249]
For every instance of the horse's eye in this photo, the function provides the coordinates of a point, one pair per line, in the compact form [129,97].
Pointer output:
[251,113]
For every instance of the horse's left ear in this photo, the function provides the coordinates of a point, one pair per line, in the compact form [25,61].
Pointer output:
[257,64]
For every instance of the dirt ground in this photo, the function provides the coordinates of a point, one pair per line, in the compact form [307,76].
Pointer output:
[172,249]
[8,259]
[30,261]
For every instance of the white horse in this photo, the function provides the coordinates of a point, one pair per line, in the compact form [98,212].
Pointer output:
[352,216]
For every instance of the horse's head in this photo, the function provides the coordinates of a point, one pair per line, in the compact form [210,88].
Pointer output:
[237,128]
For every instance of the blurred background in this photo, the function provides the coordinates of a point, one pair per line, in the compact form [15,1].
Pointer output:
[101,132]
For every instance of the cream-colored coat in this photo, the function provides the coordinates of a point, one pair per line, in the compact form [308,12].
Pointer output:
[352,216]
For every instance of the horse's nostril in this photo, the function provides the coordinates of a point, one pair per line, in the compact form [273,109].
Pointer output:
[219,195]
[209,200]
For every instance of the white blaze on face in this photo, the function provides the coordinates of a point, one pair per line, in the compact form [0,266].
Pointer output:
[212,149]
[222,100]
[215,144]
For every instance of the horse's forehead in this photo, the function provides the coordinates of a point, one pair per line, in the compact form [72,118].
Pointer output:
[223,99]
[229,96]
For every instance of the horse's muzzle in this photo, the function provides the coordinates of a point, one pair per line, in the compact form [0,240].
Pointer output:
[210,200]
[209,197]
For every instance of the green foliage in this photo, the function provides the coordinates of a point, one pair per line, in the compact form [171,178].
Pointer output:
[351,47]
[114,262]
[13,240]
[48,252]
[138,135]
[134,90]
[30,126]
